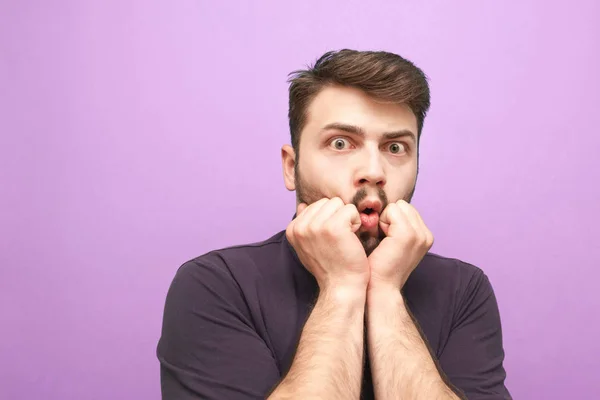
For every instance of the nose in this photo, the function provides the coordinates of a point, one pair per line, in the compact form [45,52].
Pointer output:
[371,170]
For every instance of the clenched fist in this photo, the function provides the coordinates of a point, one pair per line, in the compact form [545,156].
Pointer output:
[323,235]
[407,241]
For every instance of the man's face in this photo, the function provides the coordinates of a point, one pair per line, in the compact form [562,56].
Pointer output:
[358,149]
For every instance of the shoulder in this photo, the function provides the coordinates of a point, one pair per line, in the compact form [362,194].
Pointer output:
[437,270]
[221,276]
[239,264]
[448,282]
[250,253]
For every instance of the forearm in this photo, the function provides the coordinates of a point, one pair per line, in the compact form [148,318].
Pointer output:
[401,364]
[329,360]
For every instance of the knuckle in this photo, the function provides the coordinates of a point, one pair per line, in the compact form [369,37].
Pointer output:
[424,240]
[350,208]
[289,232]
[413,238]
[310,230]
[337,201]
[393,210]
[299,232]
[330,230]
[430,239]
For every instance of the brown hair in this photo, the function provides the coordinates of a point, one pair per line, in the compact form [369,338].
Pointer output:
[384,76]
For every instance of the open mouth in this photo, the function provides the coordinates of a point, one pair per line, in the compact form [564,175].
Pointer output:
[369,214]
[369,218]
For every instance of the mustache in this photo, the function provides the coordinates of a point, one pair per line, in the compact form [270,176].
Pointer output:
[362,194]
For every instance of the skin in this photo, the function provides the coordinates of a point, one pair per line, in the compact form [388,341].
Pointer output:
[354,148]
[368,165]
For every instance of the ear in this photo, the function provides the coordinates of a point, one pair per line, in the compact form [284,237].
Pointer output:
[288,162]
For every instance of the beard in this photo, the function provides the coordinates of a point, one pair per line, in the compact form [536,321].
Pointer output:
[306,193]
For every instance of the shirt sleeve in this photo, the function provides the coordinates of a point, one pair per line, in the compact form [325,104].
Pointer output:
[208,348]
[473,355]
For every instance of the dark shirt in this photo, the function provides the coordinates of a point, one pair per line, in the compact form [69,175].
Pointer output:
[233,319]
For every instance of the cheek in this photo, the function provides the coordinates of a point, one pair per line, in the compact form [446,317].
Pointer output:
[329,181]
[400,183]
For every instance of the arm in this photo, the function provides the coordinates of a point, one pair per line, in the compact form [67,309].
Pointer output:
[401,363]
[329,358]
[209,348]
[473,355]
[328,362]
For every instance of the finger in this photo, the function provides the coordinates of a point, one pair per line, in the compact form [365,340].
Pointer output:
[410,213]
[309,212]
[301,207]
[428,234]
[394,222]
[347,216]
[385,218]
[327,211]
[416,222]
[389,216]
[299,222]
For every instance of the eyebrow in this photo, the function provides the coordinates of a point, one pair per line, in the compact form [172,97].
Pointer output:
[357,130]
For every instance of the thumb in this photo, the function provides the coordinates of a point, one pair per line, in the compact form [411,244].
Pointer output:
[385,227]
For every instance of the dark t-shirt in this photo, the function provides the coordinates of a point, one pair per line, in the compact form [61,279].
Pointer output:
[233,318]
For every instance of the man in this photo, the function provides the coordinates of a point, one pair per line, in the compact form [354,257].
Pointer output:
[346,303]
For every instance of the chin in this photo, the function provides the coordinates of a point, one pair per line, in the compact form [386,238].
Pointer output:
[369,242]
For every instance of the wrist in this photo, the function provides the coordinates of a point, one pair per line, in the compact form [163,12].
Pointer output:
[344,294]
[384,283]
[385,296]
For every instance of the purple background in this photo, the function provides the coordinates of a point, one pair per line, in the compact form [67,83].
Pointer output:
[136,135]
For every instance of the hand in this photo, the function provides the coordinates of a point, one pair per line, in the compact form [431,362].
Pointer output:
[323,235]
[406,243]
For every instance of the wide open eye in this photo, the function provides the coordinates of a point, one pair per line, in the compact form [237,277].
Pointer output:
[397,148]
[340,143]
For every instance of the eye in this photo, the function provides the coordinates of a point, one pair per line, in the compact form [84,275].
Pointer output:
[397,148]
[340,143]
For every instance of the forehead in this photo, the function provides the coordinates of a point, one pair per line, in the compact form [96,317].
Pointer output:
[339,104]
